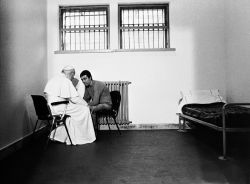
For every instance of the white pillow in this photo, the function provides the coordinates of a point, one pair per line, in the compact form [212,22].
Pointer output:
[201,96]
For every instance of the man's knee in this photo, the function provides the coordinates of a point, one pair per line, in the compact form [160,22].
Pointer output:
[101,107]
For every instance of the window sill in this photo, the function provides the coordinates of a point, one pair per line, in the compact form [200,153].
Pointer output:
[81,51]
[144,50]
[113,50]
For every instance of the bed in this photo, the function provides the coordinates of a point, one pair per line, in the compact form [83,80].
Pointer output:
[208,108]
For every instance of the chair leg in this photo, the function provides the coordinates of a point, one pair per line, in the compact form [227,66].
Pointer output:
[35,126]
[51,128]
[96,125]
[107,122]
[117,125]
[64,123]
[95,119]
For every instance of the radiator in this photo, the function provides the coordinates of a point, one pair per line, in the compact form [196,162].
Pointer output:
[123,114]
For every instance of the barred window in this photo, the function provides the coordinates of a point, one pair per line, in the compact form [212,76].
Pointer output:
[84,28]
[144,26]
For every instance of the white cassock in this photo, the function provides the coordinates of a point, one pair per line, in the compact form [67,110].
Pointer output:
[80,124]
[80,88]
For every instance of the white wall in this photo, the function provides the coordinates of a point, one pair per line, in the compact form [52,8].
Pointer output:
[23,64]
[197,33]
[238,50]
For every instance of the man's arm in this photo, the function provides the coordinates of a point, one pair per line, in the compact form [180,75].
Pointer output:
[95,100]
[87,96]
[98,90]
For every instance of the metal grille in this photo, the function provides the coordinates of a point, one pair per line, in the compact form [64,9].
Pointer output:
[144,26]
[84,28]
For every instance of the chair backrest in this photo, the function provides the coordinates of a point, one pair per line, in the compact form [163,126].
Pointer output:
[41,107]
[116,100]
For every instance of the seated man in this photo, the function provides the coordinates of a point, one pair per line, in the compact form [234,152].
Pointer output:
[96,94]
[80,125]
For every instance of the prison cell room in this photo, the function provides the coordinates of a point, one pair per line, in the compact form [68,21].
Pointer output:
[149,51]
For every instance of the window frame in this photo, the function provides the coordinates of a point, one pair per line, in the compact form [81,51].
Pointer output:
[106,7]
[144,6]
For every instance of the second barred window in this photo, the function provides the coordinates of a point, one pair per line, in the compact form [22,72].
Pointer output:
[144,26]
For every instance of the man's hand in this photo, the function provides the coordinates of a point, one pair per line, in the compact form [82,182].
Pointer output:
[92,109]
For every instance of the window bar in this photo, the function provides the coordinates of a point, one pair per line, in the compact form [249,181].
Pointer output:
[164,30]
[158,27]
[64,33]
[133,28]
[84,25]
[120,28]
[123,31]
[124,40]
[163,37]
[126,34]
[104,31]
[89,30]
[70,30]
[80,31]
[128,30]
[107,30]
[153,31]
[75,32]
[148,29]
[99,27]
[167,31]
[143,29]
[94,28]
[70,36]
[67,33]
[138,29]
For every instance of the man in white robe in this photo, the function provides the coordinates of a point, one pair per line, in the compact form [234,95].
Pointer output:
[80,124]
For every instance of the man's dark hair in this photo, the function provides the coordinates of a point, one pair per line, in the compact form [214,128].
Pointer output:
[87,73]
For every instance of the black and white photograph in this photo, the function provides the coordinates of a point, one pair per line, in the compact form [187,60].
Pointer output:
[125,92]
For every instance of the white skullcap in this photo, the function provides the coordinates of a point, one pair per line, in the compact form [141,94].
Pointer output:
[68,67]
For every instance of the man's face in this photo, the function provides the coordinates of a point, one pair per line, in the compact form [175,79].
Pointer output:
[69,74]
[86,81]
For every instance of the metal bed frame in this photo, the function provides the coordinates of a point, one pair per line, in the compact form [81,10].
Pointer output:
[183,118]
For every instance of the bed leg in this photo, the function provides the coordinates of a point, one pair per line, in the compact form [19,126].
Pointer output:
[223,157]
[179,123]
[182,127]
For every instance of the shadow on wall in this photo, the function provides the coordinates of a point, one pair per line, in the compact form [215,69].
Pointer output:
[209,56]
[30,117]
